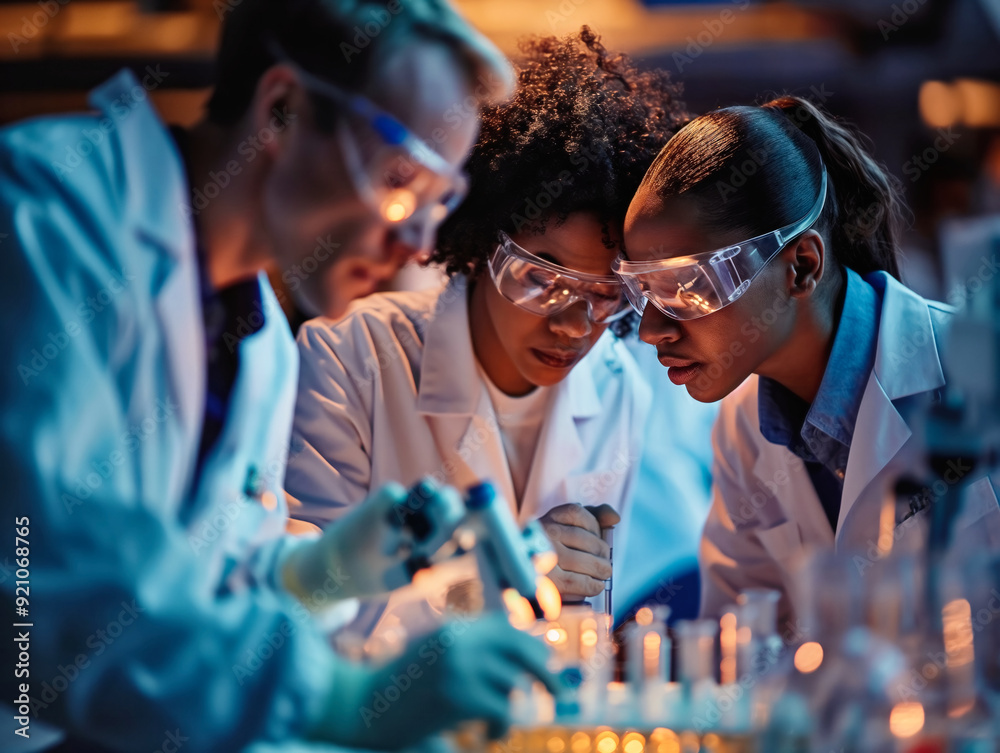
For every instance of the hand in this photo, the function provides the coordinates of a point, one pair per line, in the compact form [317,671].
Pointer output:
[464,671]
[584,558]
[366,553]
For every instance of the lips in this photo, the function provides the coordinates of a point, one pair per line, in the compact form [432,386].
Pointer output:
[680,371]
[556,359]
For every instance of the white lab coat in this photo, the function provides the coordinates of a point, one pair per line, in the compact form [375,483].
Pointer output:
[103,397]
[392,392]
[766,516]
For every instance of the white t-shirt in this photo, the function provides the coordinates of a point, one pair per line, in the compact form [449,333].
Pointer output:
[520,422]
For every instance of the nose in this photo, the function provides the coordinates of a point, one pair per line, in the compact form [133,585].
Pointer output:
[656,327]
[573,323]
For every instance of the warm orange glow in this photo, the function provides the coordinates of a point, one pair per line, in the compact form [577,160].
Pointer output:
[710,742]
[651,656]
[268,501]
[606,742]
[556,635]
[809,657]
[633,742]
[556,745]
[665,740]
[940,104]
[887,527]
[544,562]
[580,742]
[980,102]
[519,610]
[906,719]
[548,597]
[399,206]
[588,633]
[957,620]
[727,644]
[644,616]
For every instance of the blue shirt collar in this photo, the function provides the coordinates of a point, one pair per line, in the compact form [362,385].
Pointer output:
[823,431]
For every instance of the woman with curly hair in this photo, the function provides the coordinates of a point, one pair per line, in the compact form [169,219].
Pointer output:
[507,373]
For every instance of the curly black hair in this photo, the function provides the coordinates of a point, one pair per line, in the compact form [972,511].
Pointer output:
[578,136]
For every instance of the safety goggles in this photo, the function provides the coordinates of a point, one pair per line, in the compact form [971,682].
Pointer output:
[545,289]
[392,170]
[690,287]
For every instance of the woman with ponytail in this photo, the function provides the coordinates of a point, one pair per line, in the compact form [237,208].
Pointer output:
[765,239]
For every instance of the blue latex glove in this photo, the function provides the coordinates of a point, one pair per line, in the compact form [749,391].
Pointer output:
[464,671]
[366,553]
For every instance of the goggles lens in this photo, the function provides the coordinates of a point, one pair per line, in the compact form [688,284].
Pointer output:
[394,172]
[400,180]
[690,287]
[546,289]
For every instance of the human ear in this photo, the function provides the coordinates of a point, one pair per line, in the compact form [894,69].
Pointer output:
[805,264]
[277,103]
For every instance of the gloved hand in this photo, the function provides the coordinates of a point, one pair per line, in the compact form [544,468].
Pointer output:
[372,549]
[464,671]
[584,558]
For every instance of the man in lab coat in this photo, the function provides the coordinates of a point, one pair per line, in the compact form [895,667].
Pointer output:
[150,377]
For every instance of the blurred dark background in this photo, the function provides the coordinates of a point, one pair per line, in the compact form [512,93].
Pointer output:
[920,77]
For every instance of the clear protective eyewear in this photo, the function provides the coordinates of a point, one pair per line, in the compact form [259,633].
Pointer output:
[690,287]
[546,289]
[392,169]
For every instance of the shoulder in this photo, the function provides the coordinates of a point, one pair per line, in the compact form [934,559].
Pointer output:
[375,321]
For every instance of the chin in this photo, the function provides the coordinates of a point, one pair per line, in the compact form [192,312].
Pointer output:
[712,392]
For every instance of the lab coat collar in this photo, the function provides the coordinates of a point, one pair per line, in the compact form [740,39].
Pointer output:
[449,378]
[906,363]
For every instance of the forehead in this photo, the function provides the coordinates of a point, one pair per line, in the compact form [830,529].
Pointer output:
[576,243]
[666,229]
[425,85]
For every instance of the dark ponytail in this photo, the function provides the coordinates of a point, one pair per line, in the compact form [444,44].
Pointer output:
[754,169]
[865,229]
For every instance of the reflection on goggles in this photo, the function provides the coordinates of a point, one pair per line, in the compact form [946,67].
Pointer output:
[395,180]
[691,287]
[546,289]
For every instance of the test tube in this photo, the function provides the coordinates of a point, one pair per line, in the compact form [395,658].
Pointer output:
[757,638]
[696,650]
[608,534]
[649,647]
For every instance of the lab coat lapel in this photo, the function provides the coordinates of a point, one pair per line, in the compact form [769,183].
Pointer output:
[161,223]
[453,399]
[560,446]
[904,366]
